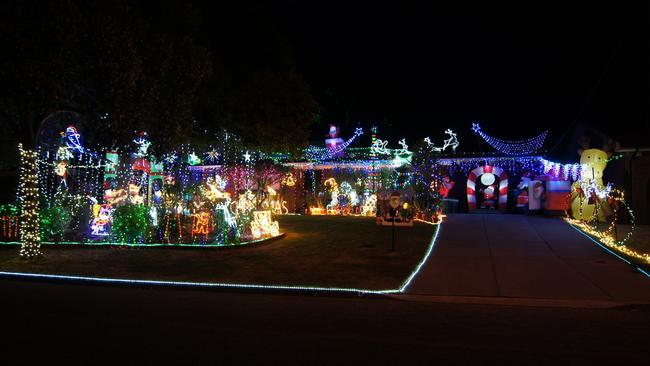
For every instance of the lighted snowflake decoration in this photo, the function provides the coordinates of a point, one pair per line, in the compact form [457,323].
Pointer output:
[212,155]
[171,158]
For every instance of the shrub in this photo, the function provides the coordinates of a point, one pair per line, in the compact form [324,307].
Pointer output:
[130,223]
[53,223]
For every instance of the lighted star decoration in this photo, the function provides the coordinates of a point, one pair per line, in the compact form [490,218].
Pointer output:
[247,157]
[476,127]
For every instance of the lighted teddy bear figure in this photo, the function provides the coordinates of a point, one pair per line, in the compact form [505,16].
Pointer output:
[593,162]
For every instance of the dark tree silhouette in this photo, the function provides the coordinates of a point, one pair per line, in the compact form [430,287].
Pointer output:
[104,60]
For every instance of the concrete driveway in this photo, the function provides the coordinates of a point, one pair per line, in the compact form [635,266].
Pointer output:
[515,256]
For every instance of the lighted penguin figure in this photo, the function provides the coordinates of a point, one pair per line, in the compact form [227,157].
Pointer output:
[593,163]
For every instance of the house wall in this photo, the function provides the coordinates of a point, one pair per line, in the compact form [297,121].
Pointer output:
[638,187]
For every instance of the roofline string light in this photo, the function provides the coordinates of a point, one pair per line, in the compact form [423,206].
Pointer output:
[516,147]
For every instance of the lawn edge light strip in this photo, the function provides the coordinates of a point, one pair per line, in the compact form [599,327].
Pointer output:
[190,283]
[127,281]
[410,278]
[645,273]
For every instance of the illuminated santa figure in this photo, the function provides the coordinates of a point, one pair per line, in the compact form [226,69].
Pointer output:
[488,196]
[522,188]
[334,142]
[446,186]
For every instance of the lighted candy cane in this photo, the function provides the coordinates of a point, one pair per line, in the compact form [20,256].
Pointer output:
[503,185]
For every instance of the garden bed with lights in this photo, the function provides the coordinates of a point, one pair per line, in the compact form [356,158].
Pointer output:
[326,251]
[90,245]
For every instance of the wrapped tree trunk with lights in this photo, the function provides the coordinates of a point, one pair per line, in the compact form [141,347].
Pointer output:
[28,199]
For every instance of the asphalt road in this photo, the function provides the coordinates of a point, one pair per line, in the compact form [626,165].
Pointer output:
[73,323]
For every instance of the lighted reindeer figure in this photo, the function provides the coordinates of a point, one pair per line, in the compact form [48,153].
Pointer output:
[452,142]
[589,194]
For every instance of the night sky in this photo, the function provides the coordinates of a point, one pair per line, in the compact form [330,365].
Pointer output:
[419,69]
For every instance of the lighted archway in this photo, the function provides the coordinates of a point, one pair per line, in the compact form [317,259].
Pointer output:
[503,185]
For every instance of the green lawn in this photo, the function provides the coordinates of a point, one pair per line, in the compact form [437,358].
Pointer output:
[329,251]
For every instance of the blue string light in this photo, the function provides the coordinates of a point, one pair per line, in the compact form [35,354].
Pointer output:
[518,147]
